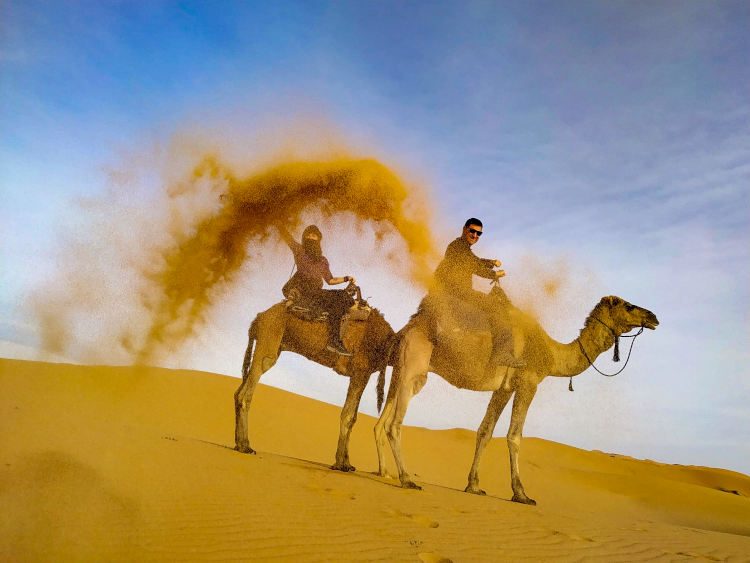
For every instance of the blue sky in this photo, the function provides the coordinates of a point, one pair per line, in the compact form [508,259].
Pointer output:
[608,140]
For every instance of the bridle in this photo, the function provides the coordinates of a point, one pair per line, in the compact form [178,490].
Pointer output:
[616,356]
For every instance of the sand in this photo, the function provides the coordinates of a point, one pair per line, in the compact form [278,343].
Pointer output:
[126,464]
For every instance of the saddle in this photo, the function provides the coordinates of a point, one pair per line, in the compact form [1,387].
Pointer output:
[308,310]
[450,317]
[304,309]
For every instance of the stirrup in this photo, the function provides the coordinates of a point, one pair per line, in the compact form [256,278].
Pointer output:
[338,347]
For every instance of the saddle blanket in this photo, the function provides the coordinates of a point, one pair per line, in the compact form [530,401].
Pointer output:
[313,313]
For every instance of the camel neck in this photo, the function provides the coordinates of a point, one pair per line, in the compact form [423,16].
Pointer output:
[595,338]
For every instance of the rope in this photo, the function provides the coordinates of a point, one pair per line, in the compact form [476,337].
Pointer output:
[633,336]
[617,352]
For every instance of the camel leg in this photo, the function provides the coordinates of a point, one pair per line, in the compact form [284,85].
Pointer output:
[415,360]
[525,391]
[357,384]
[484,433]
[264,358]
[379,429]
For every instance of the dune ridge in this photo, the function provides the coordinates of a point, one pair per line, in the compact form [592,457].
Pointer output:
[126,463]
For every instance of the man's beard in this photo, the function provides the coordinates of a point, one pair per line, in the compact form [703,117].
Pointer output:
[312,248]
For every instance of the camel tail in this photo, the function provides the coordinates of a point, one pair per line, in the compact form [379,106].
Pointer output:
[381,386]
[381,375]
[251,335]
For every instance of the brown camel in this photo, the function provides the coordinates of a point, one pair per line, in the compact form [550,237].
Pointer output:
[460,359]
[276,330]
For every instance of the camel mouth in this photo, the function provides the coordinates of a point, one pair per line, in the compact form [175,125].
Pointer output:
[651,325]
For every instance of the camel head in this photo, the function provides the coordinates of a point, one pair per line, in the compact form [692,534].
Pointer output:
[622,316]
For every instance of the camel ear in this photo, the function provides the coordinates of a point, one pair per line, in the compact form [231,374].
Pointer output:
[612,301]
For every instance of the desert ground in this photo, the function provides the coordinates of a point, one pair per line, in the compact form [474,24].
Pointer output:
[137,464]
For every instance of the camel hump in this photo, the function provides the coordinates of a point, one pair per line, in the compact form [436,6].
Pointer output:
[446,314]
[273,316]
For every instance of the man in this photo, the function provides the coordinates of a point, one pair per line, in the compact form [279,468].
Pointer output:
[312,270]
[453,277]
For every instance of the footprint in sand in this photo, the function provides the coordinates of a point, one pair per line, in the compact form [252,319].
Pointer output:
[693,555]
[420,519]
[432,557]
[331,491]
[572,536]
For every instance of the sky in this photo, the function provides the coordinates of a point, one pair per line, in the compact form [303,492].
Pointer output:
[603,144]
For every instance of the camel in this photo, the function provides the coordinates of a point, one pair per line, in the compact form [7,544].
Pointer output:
[460,359]
[276,330]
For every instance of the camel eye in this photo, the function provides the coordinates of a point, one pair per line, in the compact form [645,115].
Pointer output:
[629,307]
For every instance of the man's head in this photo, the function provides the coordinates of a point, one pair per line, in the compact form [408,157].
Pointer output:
[472,230]
[311,238]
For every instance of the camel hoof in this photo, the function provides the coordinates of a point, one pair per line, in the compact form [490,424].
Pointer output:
[410,485]
[244,449]
[523,500]
[475,490]
[343,467]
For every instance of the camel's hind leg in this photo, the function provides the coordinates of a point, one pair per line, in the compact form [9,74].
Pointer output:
[414,361]
[525,391]
[255,364]
[484,433]
[357,384]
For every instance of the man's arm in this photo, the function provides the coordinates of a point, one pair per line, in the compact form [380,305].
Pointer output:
[483,267]
[460,258]
[490,273]
[484,270]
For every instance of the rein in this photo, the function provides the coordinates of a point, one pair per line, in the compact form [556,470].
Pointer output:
[616,356]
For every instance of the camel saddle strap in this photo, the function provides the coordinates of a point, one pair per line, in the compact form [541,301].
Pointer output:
[305,314]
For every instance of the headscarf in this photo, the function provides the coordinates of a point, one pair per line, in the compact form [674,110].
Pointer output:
[312,247]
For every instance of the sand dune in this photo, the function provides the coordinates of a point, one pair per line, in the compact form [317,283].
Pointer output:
[109,464]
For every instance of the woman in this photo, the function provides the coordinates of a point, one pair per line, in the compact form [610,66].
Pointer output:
[312,270]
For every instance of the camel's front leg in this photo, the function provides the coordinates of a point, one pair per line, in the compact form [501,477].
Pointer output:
[525,391]
[357,384]
[414,359]
[262,360]
[484,433]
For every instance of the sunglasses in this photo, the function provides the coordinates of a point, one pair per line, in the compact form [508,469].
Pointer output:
[475,232]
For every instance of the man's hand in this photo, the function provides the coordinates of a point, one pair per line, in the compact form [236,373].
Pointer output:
[351,280]
[499,274]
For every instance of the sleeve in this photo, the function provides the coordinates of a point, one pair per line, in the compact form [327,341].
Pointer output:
[325,269]
[287,238]
[294,246]
[483,267]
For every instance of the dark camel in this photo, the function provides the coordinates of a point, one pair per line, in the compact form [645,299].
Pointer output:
[276,330]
